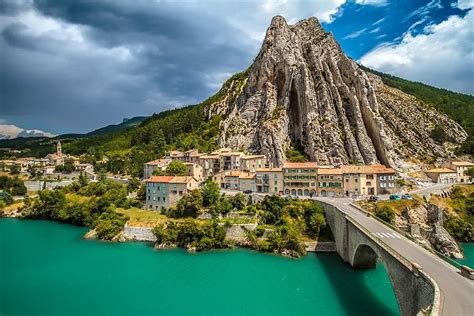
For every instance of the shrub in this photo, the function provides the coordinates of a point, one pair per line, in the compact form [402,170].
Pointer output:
[385,213]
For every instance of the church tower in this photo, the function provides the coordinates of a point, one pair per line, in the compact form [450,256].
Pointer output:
[59,151]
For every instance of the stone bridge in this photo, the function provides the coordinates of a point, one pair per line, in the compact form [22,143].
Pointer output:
[415,291]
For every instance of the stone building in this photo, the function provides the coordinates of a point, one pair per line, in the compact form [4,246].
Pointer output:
[364,180]
[269,180]
[300,178]
[253,162]
[158,164]
[166,191]
[460,167]
[194,170]
[330,182]
[442,175]
[235,180]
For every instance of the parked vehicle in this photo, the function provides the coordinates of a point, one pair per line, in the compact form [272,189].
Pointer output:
[373,198]
[395,197]
[247,191]
[407,197]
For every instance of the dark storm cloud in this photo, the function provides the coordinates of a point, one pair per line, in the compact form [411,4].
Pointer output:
[129,60]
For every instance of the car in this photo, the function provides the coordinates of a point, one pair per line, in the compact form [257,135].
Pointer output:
[407,197]
[247,191]
[373,198]
[395,197]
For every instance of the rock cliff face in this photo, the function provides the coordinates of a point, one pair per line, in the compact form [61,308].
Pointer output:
[425,222]
[303,90]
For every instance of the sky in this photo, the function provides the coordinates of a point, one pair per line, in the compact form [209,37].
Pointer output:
[74,66]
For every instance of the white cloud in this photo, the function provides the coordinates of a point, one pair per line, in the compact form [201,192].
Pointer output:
[465,4]
[442,56]
[355,34]
[372,2]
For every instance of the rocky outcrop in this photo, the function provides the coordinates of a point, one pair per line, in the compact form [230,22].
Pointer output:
[425,222]
[303,90]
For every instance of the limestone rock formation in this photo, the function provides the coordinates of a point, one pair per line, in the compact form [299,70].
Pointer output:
[303,90]
[425,222]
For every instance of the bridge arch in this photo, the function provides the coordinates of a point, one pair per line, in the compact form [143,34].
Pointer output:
[364,257]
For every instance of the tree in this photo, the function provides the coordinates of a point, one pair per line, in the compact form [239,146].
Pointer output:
[189,205]
[83,180]
[14,169]
[438,134]
[239,201]
[210,193]
[176,168]
[158,172]
[469,172]
[385,213]
[133,185]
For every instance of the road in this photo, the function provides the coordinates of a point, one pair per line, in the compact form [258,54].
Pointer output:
[456,291]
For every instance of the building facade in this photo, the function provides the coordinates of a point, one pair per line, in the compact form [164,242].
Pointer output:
[251,163]
[442,175]
[269,180]
[166,191]
[300,178]
[330,182]
[460,167]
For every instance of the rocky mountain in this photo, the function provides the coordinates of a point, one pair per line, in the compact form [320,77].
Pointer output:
[11,131]
[303,91]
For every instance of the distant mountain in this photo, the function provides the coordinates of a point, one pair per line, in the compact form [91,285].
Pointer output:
[11,131]
[126,123]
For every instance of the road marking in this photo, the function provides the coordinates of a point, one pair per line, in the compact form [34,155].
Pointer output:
[386,235]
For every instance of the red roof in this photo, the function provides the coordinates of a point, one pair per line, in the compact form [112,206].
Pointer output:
[162,179]
[287,165]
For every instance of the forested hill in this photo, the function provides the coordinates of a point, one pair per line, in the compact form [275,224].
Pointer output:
[458,106]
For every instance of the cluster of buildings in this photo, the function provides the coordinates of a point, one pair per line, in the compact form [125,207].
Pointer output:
[237,171]
[451,172]
[47,165]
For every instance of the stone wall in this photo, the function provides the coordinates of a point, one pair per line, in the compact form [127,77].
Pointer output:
[139,233]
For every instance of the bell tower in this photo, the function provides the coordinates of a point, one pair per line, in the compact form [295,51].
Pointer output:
[59,151]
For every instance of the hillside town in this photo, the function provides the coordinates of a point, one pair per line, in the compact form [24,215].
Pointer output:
[236,171]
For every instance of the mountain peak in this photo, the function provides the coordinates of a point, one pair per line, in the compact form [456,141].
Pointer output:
[303,91]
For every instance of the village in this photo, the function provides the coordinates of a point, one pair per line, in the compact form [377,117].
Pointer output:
[234,171]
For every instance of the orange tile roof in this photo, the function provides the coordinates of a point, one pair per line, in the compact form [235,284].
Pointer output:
[462,163]
[181,179]
[252,157]
[378,169]
[330,171]
[440,170]
[269,169]
[249,175]
[287,165]
[161,179]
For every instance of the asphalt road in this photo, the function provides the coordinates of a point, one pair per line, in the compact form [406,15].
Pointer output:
[456,291]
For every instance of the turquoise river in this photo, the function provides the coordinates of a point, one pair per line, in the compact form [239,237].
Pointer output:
[47,269]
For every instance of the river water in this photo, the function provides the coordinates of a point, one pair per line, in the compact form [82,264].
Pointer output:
[47,269]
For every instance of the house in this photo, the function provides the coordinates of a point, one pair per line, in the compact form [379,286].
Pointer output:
[269,180]
[460,167]
[194,170]
[235,180]
[330,182]
[442,175]
[364,180]
[231,160]
[56,159]
[158,164]
[300,178]
[166,191]
[247,182]
[253,162]
[192,155]
[211,164]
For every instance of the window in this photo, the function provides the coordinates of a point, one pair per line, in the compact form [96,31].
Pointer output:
[164,199]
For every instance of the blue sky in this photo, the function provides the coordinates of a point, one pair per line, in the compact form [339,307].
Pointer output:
[73,66]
